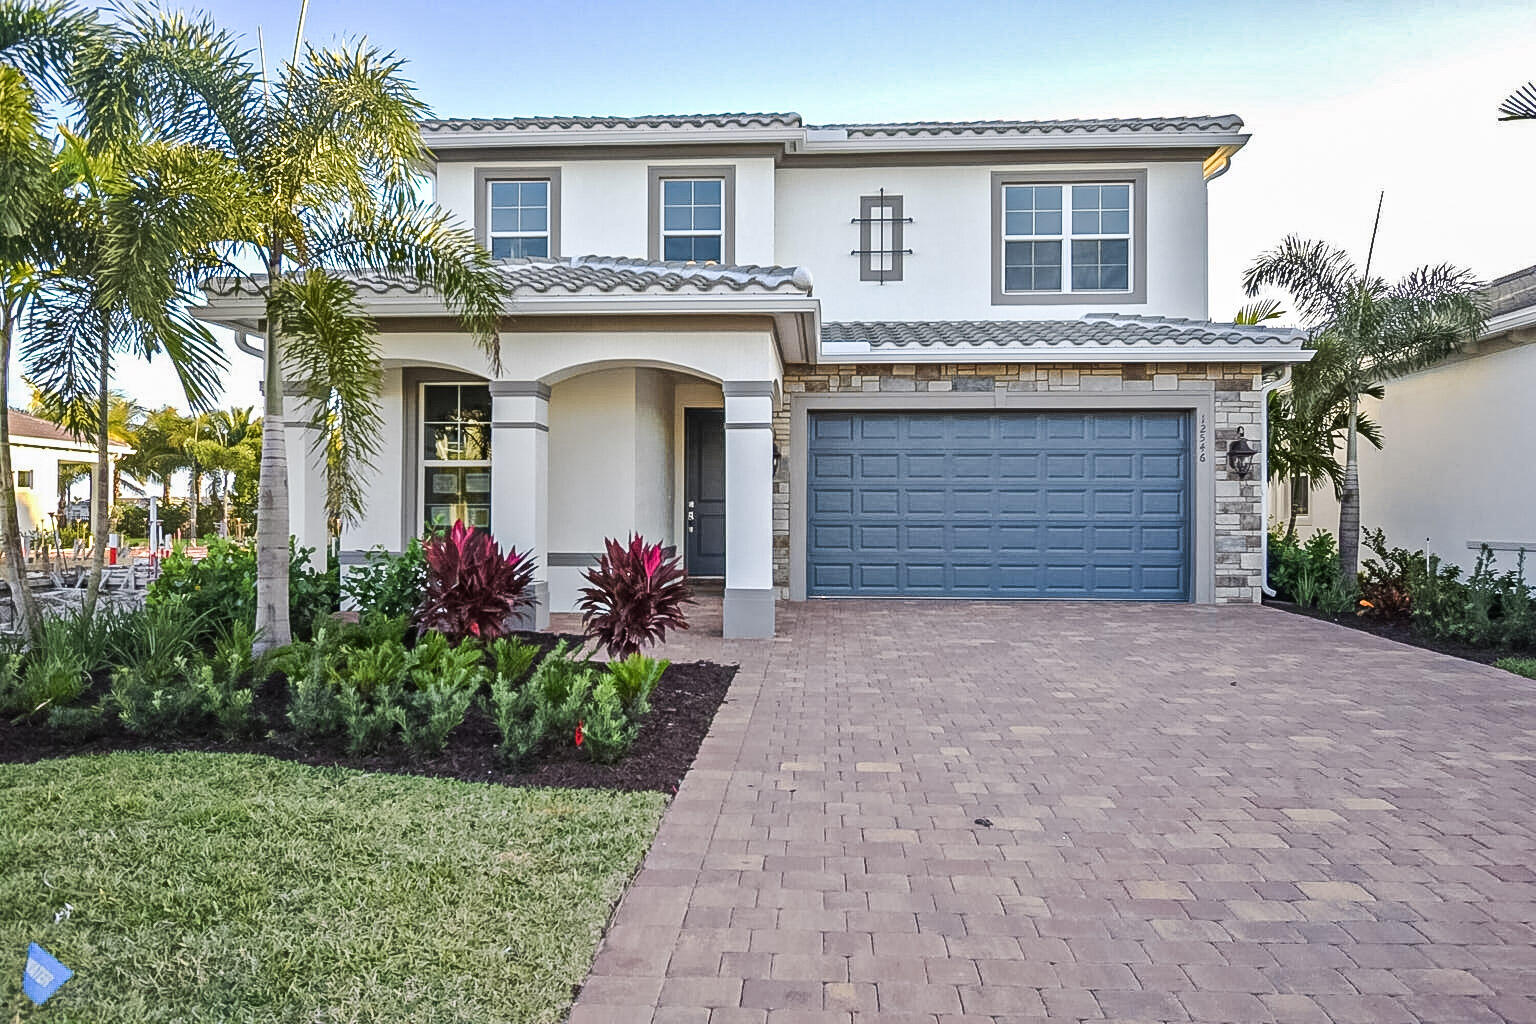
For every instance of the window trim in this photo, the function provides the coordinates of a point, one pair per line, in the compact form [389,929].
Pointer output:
[895,237]
[485,176]
[725,173]
[1304,510]
[423,464]
[1136,178]
[26,480]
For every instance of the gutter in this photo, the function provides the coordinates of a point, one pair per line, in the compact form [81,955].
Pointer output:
[1264,393]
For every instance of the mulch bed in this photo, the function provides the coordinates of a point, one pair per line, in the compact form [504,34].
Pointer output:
[682,707]
[1403,632]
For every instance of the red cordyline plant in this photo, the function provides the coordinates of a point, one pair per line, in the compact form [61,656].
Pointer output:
[637,593]
[473,590]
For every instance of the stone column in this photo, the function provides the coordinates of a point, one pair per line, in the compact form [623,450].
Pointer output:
[520,478]
[304,448]
[749,591]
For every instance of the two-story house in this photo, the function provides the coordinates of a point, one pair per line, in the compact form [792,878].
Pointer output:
[927,360]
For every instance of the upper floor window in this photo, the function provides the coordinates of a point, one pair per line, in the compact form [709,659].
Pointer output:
[1068,238]
[517,211]
[691,214]
[519,218]
[693,219]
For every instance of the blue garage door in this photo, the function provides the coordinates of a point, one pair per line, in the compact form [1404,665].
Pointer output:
[1000,504]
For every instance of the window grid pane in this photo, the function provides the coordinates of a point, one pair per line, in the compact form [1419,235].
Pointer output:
[1097,233]
[692,220]
[456,452]
[519,219]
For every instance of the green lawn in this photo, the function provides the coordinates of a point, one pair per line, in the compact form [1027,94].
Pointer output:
[1519,666]
[231,888]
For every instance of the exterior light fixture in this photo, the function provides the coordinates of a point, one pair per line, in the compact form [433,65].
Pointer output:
[1240,455]
[777,456]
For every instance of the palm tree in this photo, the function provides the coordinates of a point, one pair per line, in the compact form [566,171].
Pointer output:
[1373,332]
[328,152]
[159,450]
[1519,105]
[38,47]
[142,218]
[230,447]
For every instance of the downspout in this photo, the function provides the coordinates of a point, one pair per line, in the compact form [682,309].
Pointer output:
[1264,393]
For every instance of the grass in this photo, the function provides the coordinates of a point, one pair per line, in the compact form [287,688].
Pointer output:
[1519,666]
[233,888]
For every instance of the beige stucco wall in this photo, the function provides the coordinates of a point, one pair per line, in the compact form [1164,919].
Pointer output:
[1454,467]
[1238,514]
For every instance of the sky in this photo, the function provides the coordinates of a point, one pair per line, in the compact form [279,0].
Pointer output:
[1344,99]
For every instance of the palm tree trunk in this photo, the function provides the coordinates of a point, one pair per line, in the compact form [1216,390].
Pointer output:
[1290,527]
[10,523]
[99,478]
[194,499]
[272,626]
[1349,499]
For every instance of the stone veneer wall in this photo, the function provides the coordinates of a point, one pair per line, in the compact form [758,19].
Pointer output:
[1236,403]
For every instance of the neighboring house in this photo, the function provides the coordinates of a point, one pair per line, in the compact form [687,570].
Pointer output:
[38,450]
[1453,473]
[928,360]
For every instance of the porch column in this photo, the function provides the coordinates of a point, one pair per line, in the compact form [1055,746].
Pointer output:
[306,477]
[749,593]
[520,478]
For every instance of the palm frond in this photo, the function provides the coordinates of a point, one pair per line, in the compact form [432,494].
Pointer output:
[1254,313]
[24,156]
[43,39]
[1424,317]
[1519,105]
[424,244]
[1317,276]
[331,358]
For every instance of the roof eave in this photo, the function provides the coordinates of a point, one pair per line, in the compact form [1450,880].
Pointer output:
[863,352]
[1025,142]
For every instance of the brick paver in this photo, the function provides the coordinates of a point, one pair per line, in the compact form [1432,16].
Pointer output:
[1211,814]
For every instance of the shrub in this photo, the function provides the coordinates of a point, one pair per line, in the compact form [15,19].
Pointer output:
[388,584]
[608,730]
[1487,609]
[548,706]
[1519,666]
[636,594]
[1308,573]
[131,520]
[314,710]
[431,713]
[634,678]
[48,680]
[220,588]
[511,658]
[472,589]
[1388,581]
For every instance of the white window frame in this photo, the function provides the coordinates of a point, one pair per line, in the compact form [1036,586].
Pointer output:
[490,213]
[1066,237]
[424,464]
[692,232]
[26,479]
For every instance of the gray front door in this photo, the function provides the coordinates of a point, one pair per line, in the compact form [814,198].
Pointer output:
[704,491]
[999,504]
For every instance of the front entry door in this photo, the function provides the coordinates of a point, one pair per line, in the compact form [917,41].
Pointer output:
[704,491]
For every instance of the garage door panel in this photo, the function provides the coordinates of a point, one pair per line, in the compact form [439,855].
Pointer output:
[999,504]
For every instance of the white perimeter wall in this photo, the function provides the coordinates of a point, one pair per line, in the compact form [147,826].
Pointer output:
[1455,467]
[948,276]
[34,503]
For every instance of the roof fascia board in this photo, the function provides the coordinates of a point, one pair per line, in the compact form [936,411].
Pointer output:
[1031,141]
[861,352]
[447,139]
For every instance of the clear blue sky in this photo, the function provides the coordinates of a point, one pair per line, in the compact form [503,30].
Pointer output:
[1344,98]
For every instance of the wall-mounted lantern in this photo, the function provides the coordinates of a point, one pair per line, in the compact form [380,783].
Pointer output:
[1240,455]
[777,455]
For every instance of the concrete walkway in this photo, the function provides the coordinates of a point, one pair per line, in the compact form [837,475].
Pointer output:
[971,812]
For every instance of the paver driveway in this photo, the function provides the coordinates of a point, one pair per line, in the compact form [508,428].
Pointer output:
[1195,813]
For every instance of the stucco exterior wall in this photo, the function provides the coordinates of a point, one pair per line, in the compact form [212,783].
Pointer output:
[948,274]
[1238,515]
[34,503]
[1453,469]
[604,204]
